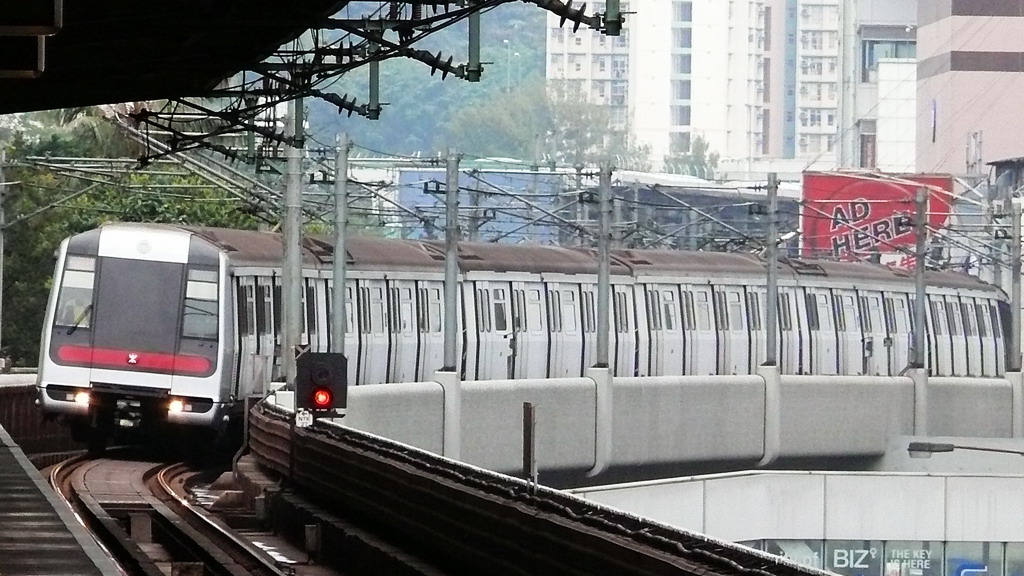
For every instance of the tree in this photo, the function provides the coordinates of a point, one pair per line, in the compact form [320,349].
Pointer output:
[691,157]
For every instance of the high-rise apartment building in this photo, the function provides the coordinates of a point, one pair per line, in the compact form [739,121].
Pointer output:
[757,79]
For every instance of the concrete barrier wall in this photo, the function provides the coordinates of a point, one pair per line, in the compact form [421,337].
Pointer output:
[411,413]
[843,415]
[492,423]
[678,419]
[970,407]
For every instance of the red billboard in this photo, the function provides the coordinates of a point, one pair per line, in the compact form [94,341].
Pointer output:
[851,216]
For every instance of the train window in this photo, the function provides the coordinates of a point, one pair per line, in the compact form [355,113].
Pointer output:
[689,321]
[589,321]
[953,319]
[275,304]
[979,312]
[901,315]
[364,310]
[812,312]
[938,318]
[890,314]
[568,315]
[554,311]
[654,309]
[994,314]
[865,315]
[199,314]
[243,298]
[261,313]
[378,311]
[839,313]
[824,309]
[735,311]
[703,311]
[534,309]
[483,310]
[405,307]
[719,310]
[874,314]
[500,305]
[754,307]
[311,318]
[435,310]
[670,309]
[967,313]
[74,306]
[785,315]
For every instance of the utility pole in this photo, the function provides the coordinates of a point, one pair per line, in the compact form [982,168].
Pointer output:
[772,306]
[1014,365]
[3,233]
[451,258]
[580,204]
[291,272]
[604,239]
[339,317]
[921,235]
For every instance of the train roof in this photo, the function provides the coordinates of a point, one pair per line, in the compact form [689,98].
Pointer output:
[265,249]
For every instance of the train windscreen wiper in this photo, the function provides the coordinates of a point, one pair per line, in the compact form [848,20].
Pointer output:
[78,321]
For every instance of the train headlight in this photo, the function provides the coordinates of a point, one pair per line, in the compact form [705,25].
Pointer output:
[176,406]
[82,398]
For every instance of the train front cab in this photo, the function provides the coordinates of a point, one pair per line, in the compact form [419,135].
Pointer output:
[134,331]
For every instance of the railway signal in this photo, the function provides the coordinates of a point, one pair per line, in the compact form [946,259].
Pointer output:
[321,382]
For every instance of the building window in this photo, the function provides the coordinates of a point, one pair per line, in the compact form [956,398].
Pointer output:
[683,11]
[872,50]
[680,115]
[682,38]
[681,89]
[681,63]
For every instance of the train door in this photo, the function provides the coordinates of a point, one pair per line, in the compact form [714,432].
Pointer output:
[850,356]
[874,333]
[957,338]
[529,331]
[822,331]
[402,329]
[623,327]
[430,323]
[317,326]
[373,328]
[265,336]
[494,362]
[790,348]
[251,366]
[805,337]
[987,343]
[997,333]
[704,351]
[671,350]
[467,339]
[940,354]
[588,324]
[755,296]
[975,352]
[353,336]
[898,337]
[734,338]
[655,330]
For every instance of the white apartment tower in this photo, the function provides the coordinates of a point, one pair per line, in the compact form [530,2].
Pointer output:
[757,79]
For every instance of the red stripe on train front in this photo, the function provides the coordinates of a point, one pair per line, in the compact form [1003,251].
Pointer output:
[128,360]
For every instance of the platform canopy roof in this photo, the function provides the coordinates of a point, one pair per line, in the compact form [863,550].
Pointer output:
[108,51]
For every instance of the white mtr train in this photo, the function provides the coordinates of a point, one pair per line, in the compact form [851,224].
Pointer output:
[166,323]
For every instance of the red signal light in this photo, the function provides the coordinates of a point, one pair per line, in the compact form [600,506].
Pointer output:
[322,398]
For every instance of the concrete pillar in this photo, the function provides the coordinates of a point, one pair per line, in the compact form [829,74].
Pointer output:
[772,413]
[1016,380]
[603,432]
[920,378]
[452,386]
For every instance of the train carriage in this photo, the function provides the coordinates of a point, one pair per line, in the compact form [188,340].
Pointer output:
[177,324]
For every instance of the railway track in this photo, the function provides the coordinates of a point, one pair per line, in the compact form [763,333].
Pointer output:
[142,515]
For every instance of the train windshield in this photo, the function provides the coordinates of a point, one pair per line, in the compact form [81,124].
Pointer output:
[74,304]
[137,305]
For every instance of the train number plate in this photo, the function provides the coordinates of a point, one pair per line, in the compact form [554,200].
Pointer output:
[303,419]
